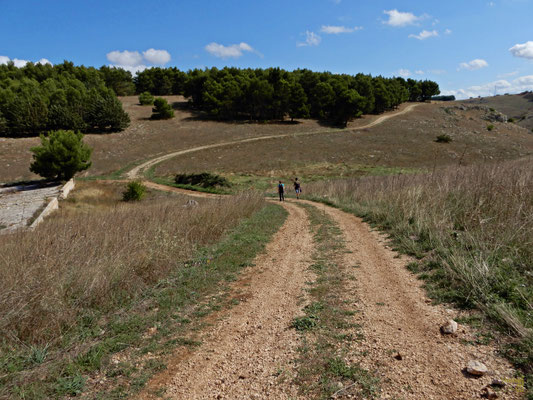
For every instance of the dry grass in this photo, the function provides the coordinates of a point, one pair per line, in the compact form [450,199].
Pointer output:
[477,220]
[473,229]
[48,278]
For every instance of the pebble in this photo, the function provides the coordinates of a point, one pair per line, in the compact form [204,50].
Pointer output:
[449,328]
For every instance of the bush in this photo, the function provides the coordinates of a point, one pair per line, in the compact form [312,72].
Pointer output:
[135,191]
[162,109]
[511,120]
[146,99]
[443,139]
[490,127]
[204,179]
[60,155]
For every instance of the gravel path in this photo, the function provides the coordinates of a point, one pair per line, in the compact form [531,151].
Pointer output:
[398,318]
[250,353]
[244,355]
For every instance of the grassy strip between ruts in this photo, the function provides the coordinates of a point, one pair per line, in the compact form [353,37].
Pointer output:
[327,325]
[124,352]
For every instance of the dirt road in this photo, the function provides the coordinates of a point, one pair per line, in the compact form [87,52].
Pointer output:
[137,171]
[243,355]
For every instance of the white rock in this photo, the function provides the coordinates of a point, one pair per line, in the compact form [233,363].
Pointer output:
[449,328]
[476,368]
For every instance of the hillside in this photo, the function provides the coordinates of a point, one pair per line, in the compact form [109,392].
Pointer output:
[516,106]
[406,142]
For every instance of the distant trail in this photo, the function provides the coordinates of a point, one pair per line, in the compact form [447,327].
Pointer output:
[137,171]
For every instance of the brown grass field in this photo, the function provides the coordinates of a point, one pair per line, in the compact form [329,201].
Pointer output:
[407,141]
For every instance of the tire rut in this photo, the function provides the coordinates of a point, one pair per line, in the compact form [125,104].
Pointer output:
[397,318]
[249,353]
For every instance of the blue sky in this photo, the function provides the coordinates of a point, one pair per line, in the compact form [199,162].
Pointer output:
[470,47]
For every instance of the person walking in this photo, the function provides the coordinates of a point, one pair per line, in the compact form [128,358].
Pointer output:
[297,188]
[281,191]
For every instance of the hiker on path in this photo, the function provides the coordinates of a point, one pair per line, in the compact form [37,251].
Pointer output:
[297,188]
[281,191]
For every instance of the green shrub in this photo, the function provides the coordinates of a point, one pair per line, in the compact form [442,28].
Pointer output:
[490,127]
[60,155]
[443,139]
[511,120]
[162,109]
[134,191]
[204,179]
[146,99]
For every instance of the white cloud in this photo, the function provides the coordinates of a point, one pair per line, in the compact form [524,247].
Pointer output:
[524,82]
[473,65]
[44,61]
[335,30]
[424,35]
[508,74]
[125,58]
[18,62]
[311,39]
[231,51]
[448,32]
[419,72]
[158,57]
[524,50]
[518,85]
[404,73]
[398,18]
[134,61]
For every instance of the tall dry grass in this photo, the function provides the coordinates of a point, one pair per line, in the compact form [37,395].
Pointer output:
[51,276]
[473,225]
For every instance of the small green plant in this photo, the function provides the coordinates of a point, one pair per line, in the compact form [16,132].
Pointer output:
[162,110]
[492,109]
[304,323]
[511,120]
[70,385]
[146,99]
[203,179]
[490,127]
[443,139]
[135,191]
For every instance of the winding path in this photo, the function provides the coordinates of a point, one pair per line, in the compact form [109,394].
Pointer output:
[137,171]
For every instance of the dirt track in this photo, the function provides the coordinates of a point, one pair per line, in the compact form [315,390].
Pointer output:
[242,355]
[136,172]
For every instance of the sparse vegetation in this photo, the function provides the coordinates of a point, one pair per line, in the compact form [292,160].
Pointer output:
[471,227]
[444,138]
[490,127]
[146,99]
[61,155]
[162,110]
[135,191]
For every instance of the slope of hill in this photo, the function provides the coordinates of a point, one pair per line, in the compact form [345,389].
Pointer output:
[516,106]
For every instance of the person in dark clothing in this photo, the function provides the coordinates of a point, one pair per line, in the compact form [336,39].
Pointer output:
[281,191]
[297,188]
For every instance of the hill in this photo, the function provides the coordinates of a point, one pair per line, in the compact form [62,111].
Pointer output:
[407,141]
[516,106]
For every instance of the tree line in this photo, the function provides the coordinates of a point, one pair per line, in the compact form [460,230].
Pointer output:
[40,98]
[266,94]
